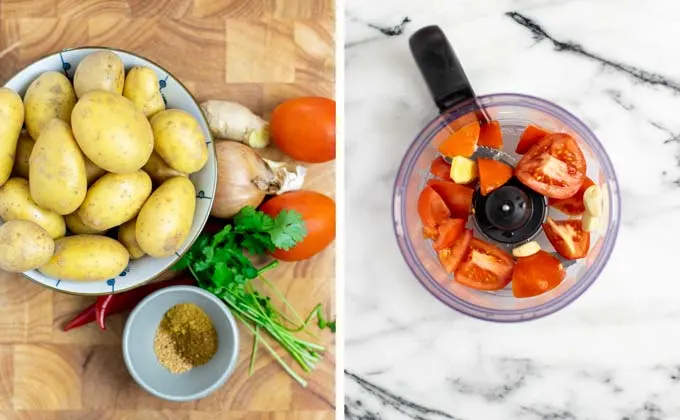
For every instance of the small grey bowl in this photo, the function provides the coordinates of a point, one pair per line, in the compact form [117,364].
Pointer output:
[141,360]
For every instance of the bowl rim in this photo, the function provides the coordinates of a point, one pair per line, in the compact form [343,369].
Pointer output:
[473,310]
[234,331]
[191,241]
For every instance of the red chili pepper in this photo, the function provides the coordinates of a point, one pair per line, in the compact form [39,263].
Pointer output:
[85,317]
[120,302]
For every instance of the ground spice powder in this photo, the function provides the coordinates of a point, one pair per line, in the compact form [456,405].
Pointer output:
[185,338]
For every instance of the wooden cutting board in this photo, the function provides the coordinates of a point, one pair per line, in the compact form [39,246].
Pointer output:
[257,52]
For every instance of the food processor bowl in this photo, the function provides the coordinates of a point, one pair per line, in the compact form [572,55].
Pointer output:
[514,112]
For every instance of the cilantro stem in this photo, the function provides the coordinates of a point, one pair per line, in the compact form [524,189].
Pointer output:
[256,337]
[278,358]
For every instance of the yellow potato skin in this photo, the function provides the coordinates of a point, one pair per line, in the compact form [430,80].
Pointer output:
[24,246]
[126,236]
[165,219]
[114,199]
[102,70]
[22,155]
[179,140]
[56,177]
[158,170]
[112,132]
[86,258]
[11,121]
[16,204]
[92,171]
[75,225]
[142,88]
[49,96]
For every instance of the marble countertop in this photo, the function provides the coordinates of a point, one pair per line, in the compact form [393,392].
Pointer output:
[612,354]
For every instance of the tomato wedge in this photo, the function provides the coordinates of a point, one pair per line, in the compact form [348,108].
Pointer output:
[458,198]
[555,167]
[432,210]
[490,135]
[529,137]
[573,205]
[448,231]
[485,267]
[441,169]
[451,257]
[492,174]
[536,274]
[462,142]
[567,237]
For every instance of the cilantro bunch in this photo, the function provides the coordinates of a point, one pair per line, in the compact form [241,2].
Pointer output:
[221,266]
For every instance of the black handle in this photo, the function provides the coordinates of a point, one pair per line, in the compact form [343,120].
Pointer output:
[440,67]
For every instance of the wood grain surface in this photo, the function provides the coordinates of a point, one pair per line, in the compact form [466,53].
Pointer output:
[257,52]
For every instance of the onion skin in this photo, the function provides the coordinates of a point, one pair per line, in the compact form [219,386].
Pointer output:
[242,179]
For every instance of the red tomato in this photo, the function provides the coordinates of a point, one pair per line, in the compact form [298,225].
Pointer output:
[555,167]
[536,274]
[462,142]
[490,135]
[529,137]
[485,267]
[458,198]
[492,174]
[441,169]
[567,237]
[448,231]
[304,129]
[451,257]
[318,213]
[432,209]
[573,205]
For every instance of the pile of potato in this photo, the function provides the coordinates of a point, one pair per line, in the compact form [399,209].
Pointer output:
[87,163]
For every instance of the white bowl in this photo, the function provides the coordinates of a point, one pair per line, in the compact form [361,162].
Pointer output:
[175,95]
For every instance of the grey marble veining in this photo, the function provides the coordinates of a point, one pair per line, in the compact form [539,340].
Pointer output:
[612,354]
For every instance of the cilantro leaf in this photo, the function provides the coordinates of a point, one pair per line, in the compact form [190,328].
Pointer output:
[288,229]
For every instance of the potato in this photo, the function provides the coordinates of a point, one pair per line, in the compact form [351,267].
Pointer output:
[114,199]
[86,258]
[11,121]
[75,225]
[92,171]
[102,70]
[22,155]
[165,219]
[179,140]
[111,132]
[158,170]
[126,236]
[47,97]
[16,204]
[56,174]
[142,88]
[24,246]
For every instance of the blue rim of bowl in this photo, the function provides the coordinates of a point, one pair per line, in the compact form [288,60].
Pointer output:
[235,335]
[437,290]
[214,175]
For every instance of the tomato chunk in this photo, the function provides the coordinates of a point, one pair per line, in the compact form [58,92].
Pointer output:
[441,169]
[490,135]
[485,267]
[529,137]
[492,174]
[567,237]
[458,198]
[462,142]
[447,232]
[573,205]
[451,257]
[536,274]
[554,167]
[432,209]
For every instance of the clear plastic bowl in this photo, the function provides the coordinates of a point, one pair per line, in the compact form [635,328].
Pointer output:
[514,112]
